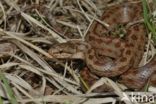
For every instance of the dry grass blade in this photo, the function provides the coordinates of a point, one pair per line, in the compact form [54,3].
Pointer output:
[4,15]
[2,91]
[44,65]
[54,99]
[70,99]
[78,1]
[113,85]
[8,65]
[19,81]
[11,34]
[30,19]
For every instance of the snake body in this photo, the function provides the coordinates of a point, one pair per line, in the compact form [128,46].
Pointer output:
[126,53]
[111,56]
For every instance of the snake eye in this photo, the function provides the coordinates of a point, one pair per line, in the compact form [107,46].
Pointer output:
[61,51]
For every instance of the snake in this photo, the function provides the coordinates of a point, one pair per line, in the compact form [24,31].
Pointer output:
[106,53]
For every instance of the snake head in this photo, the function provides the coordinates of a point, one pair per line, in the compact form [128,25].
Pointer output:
[68,50]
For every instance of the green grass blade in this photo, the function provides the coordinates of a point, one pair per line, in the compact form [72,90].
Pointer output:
[150,25]
[1,101]
[8,89]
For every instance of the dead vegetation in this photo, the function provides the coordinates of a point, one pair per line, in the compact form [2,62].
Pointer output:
[34,75]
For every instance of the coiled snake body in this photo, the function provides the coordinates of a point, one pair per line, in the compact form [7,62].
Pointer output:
[120,56]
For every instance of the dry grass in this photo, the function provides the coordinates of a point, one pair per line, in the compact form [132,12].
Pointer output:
[34,26]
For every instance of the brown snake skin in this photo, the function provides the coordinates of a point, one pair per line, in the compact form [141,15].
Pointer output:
[111,56]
